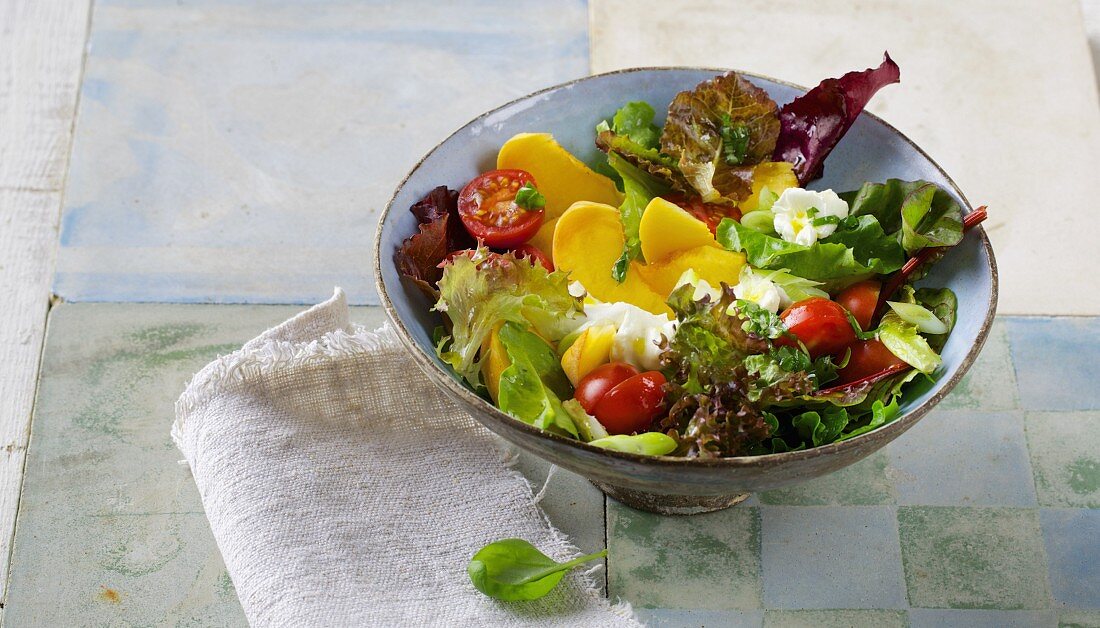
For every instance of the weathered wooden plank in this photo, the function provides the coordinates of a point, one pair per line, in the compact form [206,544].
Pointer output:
[41,51]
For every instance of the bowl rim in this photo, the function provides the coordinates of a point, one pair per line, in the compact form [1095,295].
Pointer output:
[877,437]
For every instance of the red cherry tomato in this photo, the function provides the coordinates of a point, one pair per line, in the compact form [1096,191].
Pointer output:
[487,206]
[709,213]
[861,299]
[633,405]
[535,254]
[603,378]
[822,325]
[868,357]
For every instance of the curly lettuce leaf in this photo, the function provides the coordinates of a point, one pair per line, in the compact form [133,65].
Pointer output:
[533,385]
[440,232]
[858,249]
[639,189]
[716,132]
[881,414]
[821,428]
[921,213]
[812,124]
[718,400]
[649,160]
[478,291]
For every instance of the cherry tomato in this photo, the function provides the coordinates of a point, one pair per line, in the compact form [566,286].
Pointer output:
[868,357]
[596,384]
[709,213]
[535,254]
[487,206]
[633,405]
[861,299]
[822,325]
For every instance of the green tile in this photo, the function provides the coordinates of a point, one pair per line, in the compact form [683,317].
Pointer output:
[1065,457]
[866,483]
[983,558]
[990,384]
[707,561]
[836,619]
[1079,619]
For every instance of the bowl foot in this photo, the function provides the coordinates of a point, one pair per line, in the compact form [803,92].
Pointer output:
[670,504]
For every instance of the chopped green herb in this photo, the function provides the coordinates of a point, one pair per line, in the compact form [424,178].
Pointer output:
[529,198]
[759,321]
[735,141]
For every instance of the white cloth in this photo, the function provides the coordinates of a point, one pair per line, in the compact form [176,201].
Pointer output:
[343,489]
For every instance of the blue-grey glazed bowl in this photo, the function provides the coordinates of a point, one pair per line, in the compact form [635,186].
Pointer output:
[871,151]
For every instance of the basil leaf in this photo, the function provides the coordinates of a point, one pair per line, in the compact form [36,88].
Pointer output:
[513,570]
[529,198]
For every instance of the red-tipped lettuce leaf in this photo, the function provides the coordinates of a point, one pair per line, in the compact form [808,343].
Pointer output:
[440,232]
[812,124]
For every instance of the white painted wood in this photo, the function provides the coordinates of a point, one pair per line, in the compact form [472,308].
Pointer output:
[1001,94]
[1091,10]
[41,53]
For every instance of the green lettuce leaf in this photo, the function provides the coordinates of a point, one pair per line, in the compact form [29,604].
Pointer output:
[853,252]
[944,304]
[532,387]
[478,291]
[921,214]
[715,133]
[639,189]
[904,341]
[635,121]
[880,415]
[718,401]
[821,428]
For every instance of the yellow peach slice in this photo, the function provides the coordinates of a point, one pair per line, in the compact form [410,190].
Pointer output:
[715,265]
[494,360]
[562,178]
[591,349]
[774,175]
[666,228]
[588,240]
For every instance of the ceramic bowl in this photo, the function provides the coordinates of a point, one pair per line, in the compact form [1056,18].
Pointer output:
[871,151]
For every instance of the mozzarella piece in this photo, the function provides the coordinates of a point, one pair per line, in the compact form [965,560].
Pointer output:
[638,333]
[797,209]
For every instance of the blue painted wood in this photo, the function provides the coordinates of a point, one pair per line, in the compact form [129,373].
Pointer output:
[240,153]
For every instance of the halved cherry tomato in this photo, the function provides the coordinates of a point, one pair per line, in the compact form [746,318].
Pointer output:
[603,378]
[487,206]
[822,325]
[535,254]
[633,405]
[860,299]
[868,357]
[709,213]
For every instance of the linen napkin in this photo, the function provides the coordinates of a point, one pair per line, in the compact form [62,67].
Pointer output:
[344,489]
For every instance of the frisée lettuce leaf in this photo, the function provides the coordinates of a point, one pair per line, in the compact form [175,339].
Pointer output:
[478,291]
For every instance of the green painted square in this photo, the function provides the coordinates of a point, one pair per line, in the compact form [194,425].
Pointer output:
[1065,457]
[709,561]
[983,558]
[866,483]
[990,384]
[836,619]
[1079,619]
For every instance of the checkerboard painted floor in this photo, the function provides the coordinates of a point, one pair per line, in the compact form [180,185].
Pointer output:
[194,179]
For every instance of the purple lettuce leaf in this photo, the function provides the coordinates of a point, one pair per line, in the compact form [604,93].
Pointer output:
[812,124]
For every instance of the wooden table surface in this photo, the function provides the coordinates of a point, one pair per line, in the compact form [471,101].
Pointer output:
[209,153]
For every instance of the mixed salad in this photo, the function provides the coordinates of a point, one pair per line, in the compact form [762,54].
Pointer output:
[690,296]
